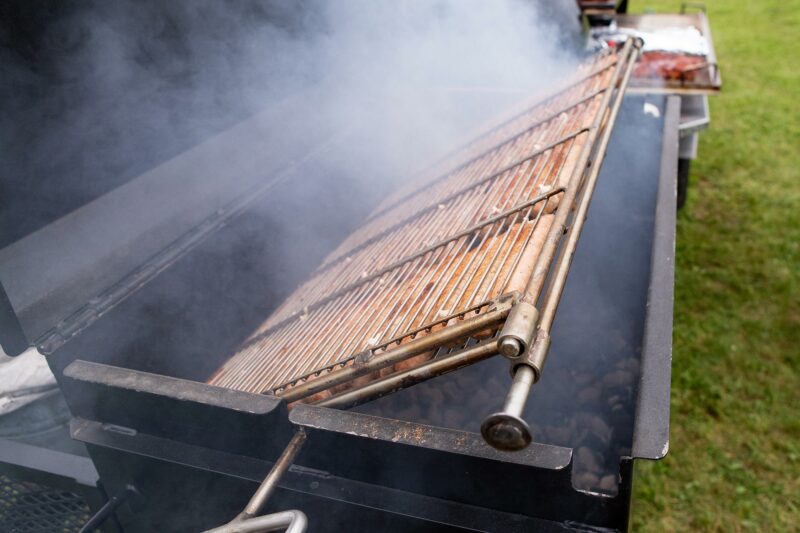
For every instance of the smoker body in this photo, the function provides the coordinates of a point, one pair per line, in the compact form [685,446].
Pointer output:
[195,453]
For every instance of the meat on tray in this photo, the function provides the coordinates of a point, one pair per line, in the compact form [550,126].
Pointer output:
[668,66]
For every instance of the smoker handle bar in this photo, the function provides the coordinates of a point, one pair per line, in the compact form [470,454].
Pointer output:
[294,521]
[507,430]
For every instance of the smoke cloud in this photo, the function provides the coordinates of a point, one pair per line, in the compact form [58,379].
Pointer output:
[97,93]
[100,94]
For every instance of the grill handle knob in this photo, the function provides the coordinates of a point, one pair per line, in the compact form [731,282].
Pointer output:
[506,430]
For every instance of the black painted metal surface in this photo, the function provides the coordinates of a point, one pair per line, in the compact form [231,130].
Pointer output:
[196,453]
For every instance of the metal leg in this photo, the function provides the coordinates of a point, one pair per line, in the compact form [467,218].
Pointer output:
[107,511]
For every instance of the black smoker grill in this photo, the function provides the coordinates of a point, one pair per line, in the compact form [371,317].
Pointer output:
[175,454]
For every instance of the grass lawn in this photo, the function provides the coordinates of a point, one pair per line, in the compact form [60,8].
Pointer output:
[734,460]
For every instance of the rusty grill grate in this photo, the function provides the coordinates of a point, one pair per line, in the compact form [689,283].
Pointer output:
[428,280]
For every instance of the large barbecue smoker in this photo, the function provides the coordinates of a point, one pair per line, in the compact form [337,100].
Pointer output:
[489,349]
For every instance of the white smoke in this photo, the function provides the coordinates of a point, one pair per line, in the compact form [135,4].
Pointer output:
[115,88]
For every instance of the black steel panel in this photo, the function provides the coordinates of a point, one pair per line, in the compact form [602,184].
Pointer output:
[188,411]
[12,338]
[651,425]
[185,487]
[452,465]
[196,453]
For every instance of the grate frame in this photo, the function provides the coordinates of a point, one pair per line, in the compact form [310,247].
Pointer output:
[391,280]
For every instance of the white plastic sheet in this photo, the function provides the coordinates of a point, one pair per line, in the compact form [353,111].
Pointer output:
[24,379]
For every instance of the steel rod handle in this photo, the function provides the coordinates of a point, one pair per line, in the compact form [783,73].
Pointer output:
[270,482]
[293,521]
[506,430]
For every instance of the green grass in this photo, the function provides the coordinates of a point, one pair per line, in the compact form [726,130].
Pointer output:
[734,461]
